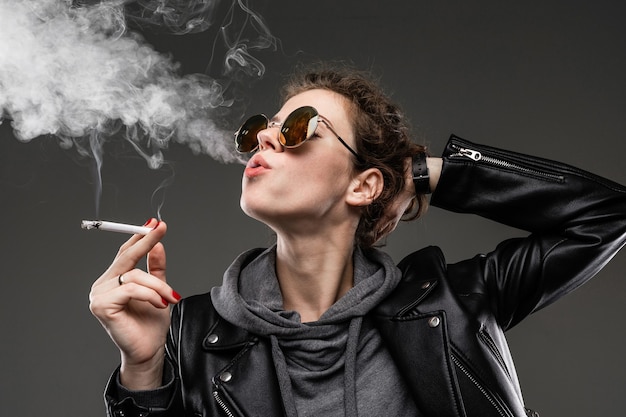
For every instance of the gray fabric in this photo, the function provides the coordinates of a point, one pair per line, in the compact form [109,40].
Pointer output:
[336,366]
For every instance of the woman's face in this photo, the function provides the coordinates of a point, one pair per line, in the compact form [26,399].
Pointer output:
[302,188]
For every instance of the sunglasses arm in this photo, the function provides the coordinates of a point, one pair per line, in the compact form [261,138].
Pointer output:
[343,142]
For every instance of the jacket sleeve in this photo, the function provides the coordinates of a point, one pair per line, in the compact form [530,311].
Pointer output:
[576,220]
[164,401]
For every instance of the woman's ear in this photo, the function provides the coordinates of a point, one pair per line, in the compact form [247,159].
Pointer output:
[365,187]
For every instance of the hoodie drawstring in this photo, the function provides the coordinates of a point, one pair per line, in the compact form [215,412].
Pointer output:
[349,397]
[284,381]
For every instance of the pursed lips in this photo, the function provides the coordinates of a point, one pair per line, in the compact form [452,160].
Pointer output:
[255,166]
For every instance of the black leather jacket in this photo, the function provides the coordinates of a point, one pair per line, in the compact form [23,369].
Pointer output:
[444,325]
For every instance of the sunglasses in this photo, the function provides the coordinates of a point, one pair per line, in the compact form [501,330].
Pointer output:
[298,126]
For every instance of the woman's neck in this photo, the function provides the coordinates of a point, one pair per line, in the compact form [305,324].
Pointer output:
[314,273]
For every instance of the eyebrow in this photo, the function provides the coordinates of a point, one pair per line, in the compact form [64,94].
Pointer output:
[327,122]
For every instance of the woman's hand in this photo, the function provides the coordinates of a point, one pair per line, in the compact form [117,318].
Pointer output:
[395,211]
[132,305]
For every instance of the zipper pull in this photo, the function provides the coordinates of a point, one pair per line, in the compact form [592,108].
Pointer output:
[471,154]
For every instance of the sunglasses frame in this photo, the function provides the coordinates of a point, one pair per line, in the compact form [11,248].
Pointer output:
[269,124]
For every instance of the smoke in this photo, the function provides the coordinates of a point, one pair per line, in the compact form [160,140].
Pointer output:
[176,16]
[72,70]
[75,71]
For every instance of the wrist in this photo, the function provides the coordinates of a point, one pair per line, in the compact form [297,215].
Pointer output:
[142,376]
[420,173]
[435,166]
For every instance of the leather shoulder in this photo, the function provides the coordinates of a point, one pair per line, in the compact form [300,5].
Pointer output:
[421,271]
[207,325]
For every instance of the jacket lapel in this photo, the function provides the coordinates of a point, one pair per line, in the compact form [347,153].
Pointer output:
[247,383]
[417,337]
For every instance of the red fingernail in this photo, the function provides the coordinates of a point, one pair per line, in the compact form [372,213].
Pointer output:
[176,295]
[156,225]
[164,301]
[149,220]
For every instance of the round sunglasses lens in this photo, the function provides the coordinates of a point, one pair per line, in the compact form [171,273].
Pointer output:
[298,126]
[246,137]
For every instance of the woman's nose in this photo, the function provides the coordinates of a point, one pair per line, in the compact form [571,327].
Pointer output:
[268,138]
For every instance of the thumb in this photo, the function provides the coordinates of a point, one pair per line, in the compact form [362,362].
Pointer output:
[156,261]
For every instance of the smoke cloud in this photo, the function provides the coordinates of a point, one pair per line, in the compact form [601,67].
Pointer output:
[74,71]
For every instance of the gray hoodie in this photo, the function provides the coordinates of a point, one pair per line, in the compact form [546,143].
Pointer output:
[336,366]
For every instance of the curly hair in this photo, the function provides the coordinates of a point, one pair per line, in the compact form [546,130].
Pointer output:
[381,132]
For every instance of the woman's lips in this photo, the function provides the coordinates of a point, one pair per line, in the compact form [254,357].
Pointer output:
[256,166]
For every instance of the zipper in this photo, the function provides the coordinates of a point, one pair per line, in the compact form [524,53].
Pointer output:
[491,345]
[477,156]
[222,404]
[483,390]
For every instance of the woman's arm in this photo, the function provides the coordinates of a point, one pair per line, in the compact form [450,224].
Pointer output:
[163,401]
[576,220]
[434,172]
[132,306]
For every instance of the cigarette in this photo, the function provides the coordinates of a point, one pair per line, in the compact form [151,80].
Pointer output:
[115,227]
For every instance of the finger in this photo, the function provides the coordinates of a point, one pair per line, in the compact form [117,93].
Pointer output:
[157,261]
[133,291]
[122,261]
[137,250]
[134,238]
[141,278]
[157,267]
[111,302]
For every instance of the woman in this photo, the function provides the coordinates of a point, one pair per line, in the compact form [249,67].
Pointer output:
[321,323]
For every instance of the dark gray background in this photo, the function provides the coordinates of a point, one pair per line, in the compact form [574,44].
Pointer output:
[541,77]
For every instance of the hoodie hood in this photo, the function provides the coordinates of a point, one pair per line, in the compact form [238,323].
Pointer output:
[307,356]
